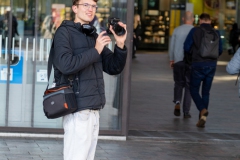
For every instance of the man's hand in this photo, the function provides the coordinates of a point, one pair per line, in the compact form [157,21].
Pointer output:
[102,40]
[120,39]
[171,64]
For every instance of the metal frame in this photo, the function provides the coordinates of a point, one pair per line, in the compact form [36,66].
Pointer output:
[8,61]
[126,78]
[36,28]
[50,130]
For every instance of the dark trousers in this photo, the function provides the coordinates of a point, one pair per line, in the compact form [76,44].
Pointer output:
[134,47]
[235,47]
[181,75]
[205,76]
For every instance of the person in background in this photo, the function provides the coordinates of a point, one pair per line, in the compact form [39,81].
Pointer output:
[181,70]
[137,31]
[48,27]
[96,24]
[6,26]
[1,24]
[202,68]
[104,23]
[234,38]
[14,24]
[81,52]
[233,66]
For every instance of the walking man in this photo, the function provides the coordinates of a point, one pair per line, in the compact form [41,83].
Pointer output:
[205,46]
[181,70]
[81,52]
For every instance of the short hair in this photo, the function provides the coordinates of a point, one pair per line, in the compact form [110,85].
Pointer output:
[205,16]
[188,16]
[74,2]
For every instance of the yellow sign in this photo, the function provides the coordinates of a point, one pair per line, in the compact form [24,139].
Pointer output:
[5,3]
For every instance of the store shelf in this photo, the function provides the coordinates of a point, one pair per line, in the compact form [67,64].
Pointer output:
[155,30]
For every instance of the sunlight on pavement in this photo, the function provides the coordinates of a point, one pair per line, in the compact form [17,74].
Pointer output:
[225,78]
[222,63]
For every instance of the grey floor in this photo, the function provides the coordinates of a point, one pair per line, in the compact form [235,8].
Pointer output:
[152,95]
[51,149]
[154,132]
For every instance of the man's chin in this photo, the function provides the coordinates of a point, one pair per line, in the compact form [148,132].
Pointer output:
[88,20]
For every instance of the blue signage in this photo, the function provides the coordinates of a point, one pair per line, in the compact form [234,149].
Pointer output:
[16,67]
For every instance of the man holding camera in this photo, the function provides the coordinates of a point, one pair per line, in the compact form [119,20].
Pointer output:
[81,52]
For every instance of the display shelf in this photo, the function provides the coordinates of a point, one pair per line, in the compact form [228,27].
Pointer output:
[155,30]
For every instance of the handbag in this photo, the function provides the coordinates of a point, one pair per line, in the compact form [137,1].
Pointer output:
[58,101]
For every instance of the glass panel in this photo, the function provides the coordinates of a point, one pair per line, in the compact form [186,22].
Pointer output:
[28,61]
[51,14]
[111,113]
[20,90]
[10,55]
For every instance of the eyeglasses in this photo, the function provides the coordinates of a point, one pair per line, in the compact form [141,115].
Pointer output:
[87,6]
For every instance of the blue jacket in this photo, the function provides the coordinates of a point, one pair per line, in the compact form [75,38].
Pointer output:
[193,42]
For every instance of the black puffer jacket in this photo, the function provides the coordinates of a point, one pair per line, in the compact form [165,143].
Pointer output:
[75,53]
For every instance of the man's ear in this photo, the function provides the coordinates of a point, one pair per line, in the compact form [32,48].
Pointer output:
[74,8]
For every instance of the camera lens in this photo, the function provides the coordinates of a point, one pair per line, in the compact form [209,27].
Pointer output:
[116,27]
[119,30]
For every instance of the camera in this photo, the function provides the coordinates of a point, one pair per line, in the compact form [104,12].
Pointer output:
[115,26]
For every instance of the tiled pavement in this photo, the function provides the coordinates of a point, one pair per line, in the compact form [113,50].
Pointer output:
[155,133]
[152,95]
[144,149]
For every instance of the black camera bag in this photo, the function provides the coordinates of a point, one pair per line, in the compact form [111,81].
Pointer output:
[58,102]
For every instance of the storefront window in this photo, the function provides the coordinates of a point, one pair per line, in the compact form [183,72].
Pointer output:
[155,20]
[223,15]
[21,94]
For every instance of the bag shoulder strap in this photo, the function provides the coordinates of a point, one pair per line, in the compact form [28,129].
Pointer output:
[50,60]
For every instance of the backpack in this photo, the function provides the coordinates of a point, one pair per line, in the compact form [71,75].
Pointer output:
[209,47]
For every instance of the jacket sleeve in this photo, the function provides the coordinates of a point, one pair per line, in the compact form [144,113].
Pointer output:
[233,65]
[65,60]
[113,63]
[189,41]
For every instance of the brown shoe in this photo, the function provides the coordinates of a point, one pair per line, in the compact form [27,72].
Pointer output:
[177,110]
[203,118]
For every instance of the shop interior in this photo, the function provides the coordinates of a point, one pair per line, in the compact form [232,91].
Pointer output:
[160,17]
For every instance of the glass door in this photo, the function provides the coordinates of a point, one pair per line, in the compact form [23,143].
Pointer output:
[17,54]
[26,31]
